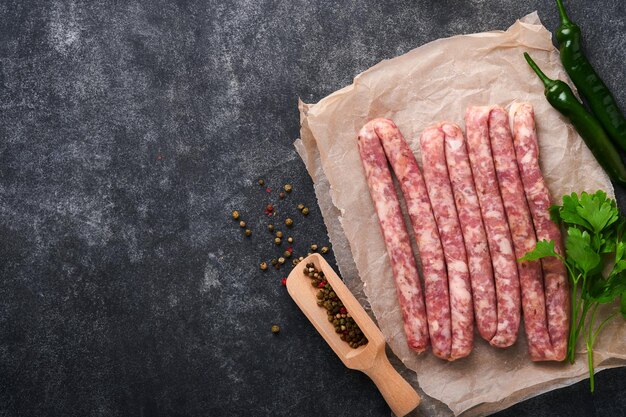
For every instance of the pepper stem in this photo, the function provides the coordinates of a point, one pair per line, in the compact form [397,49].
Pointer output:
[546,81]
[562,14]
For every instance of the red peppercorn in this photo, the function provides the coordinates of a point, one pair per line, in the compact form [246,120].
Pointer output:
[290,249]
[268,190]
[283,281]
[269,210]
[343,310]
[321,284]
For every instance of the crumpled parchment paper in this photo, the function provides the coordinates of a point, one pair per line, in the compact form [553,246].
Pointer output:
[435,82]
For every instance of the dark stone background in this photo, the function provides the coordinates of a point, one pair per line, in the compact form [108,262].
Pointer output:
[129,131]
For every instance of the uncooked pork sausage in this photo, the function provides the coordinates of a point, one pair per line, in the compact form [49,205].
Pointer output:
[522,232]
[494,219]
[478,260]
[432,142]
[557,301]
[380,141]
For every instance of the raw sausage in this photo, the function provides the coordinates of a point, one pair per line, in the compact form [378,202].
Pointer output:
[396,237]
[375,135]
[522,232]
[557,301]
[494,218]
[412,184]
[478,260]
[442,201]
[427,237]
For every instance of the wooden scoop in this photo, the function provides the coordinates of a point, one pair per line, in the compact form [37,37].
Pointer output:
[370,358]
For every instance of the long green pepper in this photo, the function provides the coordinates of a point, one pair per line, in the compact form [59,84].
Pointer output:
[587,81]
[562,98]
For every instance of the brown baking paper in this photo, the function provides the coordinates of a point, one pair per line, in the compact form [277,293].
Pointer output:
[435,82]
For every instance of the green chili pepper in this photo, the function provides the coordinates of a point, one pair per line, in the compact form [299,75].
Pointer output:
[561,97]
[587,81]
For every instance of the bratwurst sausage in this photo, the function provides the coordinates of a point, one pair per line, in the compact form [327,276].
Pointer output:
[555,284]
[522,232]
[498,233]
[478,259]
[435,170]
[380,141]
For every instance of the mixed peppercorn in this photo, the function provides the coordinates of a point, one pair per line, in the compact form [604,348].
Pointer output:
[286,256]
[337,313]
[278,237]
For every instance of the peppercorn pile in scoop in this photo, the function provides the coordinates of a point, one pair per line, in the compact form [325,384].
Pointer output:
[344,324]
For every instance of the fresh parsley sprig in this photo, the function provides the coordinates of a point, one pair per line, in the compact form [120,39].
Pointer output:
[593,244]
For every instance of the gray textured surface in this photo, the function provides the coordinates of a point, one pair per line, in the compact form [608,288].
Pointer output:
[128,132]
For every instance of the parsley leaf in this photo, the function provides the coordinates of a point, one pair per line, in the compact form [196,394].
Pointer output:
[568,212]
[597,210]
[543,249]
[606,290]
[580,253]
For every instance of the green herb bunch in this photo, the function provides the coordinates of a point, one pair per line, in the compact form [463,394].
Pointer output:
[594,245]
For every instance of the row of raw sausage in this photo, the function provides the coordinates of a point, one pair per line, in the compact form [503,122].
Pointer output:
[480,204]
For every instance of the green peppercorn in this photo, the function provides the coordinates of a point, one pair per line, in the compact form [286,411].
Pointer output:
[263,266]
[288,187]
[305,211]
[242,224]
[314,247]
[235,214]
[288,222]
[261,182]
[270,227]
[275,329]
[277,241]
[343,323]
[279,234]
[290,239]
[287,254]
[274,261]
[324,249]
[248,232]
[281,260]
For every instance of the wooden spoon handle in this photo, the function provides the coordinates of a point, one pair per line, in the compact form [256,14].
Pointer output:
[398,393]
